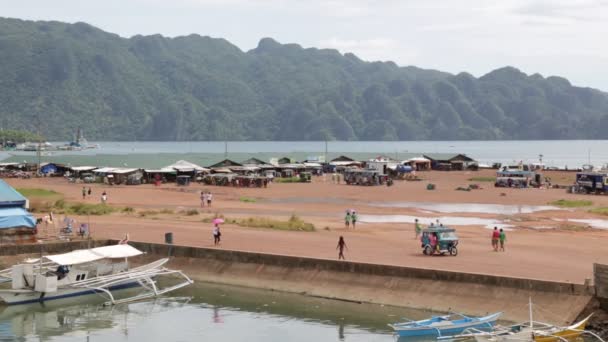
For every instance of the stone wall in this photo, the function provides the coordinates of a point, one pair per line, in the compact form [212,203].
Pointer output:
[600,279]
[436,290]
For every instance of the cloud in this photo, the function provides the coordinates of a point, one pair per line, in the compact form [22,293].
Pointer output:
[574,10]
[374,49]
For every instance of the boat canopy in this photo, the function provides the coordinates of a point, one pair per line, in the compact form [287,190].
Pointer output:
[82,256]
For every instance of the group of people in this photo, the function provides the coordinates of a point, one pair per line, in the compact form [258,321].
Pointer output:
[350,218]
[86,192]
[498,236]
[206,198]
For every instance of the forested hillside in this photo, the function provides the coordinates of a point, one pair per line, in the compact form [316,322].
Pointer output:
[63,76]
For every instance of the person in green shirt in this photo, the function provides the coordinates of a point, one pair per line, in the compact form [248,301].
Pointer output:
[418,228]
[502,238]
[347,219]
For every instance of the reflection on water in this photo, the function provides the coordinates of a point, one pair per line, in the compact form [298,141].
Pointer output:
[203,312]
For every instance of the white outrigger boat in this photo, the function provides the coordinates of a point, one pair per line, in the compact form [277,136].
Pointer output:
[531,331]
[99,270]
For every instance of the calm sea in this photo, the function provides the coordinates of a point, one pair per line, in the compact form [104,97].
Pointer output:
[204,312]
[570,153]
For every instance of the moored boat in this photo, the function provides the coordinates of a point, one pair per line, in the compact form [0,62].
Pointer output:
[445,325]
[535,332]
[100,270]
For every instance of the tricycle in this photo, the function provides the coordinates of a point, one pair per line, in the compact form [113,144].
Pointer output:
[439,240]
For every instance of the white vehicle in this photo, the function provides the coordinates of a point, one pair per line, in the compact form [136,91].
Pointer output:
[99,270]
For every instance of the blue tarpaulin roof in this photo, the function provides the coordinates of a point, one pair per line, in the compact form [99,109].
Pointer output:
[9,197]
[16,218]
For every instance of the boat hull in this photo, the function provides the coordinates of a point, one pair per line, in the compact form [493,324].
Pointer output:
[17,298]
[540,335]
[444,331]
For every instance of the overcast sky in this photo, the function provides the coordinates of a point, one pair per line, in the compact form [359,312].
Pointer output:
[554,37]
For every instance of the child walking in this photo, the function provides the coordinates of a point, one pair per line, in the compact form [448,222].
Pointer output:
[503,238]
[347,219]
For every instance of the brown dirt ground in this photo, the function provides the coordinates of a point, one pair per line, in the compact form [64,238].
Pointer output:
[565,252]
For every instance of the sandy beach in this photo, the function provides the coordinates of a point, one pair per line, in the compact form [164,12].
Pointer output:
[543,241]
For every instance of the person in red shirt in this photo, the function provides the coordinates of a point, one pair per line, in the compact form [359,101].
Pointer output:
[495,238]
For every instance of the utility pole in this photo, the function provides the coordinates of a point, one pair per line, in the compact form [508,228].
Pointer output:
[326,151]
[38,150]
[225,149]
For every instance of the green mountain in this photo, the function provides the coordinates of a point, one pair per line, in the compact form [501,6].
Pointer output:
[58,77]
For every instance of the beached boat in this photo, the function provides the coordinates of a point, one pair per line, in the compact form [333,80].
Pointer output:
[101,270]
[445,325]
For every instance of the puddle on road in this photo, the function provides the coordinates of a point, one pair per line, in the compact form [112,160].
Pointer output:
[445,220]
[502,209]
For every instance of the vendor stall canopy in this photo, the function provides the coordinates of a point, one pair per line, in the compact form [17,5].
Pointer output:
[9,197]
[16,217]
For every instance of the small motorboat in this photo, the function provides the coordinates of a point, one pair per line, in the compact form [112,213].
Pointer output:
[452,324]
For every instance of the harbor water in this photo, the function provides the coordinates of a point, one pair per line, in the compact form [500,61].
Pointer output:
[204,312]
[558,153]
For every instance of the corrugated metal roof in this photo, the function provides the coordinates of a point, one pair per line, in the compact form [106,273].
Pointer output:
[445,156]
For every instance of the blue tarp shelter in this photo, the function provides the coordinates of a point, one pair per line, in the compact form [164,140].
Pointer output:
[48,168]
[9,197]
[16,218]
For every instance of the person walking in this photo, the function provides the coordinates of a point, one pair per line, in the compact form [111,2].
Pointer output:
[417,228]
[89,192]
[203,199]
[209,198]
[502,237]
[341,246]
[495,238]
[216,234]
[347,219]
[104,198]
[353,218]
[84,193]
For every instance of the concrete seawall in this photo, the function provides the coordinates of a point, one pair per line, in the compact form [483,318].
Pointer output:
[474,294]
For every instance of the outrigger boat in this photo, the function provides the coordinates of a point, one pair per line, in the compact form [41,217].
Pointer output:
[445,325]
[101,270]
[527,332]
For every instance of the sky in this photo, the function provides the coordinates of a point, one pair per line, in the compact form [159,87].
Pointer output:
[566,38]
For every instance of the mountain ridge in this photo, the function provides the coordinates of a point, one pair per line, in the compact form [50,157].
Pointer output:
[61,76]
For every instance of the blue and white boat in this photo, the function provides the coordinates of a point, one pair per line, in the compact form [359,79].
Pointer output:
[101,270]
[445,325]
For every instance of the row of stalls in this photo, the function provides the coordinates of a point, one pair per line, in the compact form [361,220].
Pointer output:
[256,172]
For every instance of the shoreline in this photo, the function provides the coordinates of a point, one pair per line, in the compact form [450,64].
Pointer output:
[357,282]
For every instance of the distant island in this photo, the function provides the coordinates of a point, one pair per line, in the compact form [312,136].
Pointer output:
[61,76]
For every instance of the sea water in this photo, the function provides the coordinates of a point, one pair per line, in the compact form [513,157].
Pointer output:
[204,312]
[559,153]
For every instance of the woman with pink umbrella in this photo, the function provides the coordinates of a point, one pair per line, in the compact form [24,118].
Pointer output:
[216,230]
